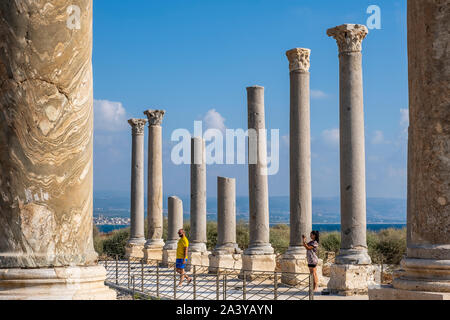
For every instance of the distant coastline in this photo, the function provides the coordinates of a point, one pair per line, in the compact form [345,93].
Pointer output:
[322,227]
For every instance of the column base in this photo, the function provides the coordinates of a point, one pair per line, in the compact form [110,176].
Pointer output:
[224,262]
[65,283]
[134,251]
[391,293]
[153,254]
[168,256]
[295,269]
[353,256]
[349,279]
[253,264]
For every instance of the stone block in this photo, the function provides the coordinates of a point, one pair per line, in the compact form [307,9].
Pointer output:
[347,279]
[153,254]
[254,264]
[168,257]
[197,259]
[133,251]
[390,293]
[224,262]
[295,268]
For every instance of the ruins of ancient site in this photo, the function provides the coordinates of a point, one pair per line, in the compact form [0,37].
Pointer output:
[50,161]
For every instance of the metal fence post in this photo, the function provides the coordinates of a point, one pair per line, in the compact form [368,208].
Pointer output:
[218,285]
[311,287]
[174,283]
[275,286]
[194,276]
[244,286]
[106,265]
[129,270]
[157,280]
[225,286]
[117,269]
[134,288]
[142,275]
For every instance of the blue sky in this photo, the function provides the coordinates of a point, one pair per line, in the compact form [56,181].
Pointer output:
[195,58]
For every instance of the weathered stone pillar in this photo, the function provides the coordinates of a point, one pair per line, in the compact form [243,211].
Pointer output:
[46,163]
[135,245]
[260,255]
[226,254]
[154,245]
[198,254]
[426,268]
[294,260]
[175,223]
[353,257]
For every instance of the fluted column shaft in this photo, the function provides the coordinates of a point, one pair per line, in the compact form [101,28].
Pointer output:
[198,196]
[352,150]
[137,235]
[258,184]
[300,149]
[155,180]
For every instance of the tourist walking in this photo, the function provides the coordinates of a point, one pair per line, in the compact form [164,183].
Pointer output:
[311,255]
[181,259]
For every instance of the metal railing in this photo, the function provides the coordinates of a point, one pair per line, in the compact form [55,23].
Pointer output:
[153,280]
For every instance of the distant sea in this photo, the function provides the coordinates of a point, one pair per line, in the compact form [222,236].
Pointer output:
[319,227]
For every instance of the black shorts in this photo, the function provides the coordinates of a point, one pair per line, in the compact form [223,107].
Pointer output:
[312,265]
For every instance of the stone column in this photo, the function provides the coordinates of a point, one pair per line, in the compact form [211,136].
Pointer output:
[260,255]
[154,245]
[294,261]
[136,243]
[46,147]
[198,254]
[175,223]
[226,254]
[353,257]
[426,268]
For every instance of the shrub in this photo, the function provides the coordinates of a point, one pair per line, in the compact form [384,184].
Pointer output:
[115,243]
[279,238]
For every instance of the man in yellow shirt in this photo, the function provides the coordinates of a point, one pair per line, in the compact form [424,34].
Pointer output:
[182,253]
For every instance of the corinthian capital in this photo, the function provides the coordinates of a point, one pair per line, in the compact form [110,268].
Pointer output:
[349,37]
[138,126]
[298,59]
[155,117]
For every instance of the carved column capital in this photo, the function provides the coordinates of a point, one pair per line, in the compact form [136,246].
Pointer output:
[349,37]
[138,126]
[299,59]
[155,117]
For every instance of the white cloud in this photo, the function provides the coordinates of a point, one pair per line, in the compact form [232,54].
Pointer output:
[214,120]
[404,118]
[109,116]
[331,136]
[378,137]
[286,140]
[318,94]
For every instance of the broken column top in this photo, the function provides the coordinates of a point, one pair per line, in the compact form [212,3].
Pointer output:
[155,117]
[138,125]
[299,59]
[349,37]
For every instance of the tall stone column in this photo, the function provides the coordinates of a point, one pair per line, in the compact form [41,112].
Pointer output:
[46,163]
[136,243]
[175,223]
[260,255]
[154,245]
[226,254]
[198,254]
[353,256]
[294,261]
[426,268]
